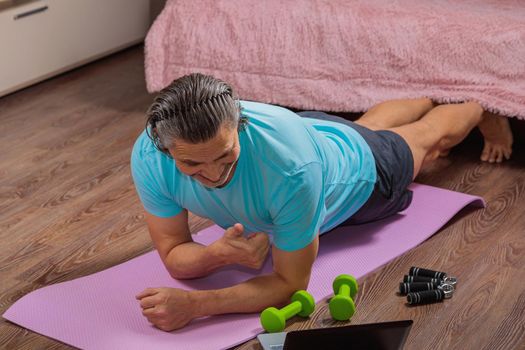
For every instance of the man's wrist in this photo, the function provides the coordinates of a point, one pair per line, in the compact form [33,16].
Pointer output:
[214,252]
[201,299]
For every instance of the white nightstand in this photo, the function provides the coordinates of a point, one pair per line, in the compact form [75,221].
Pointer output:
[42,38]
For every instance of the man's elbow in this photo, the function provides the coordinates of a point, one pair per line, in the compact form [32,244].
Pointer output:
[179,273]
[177,269]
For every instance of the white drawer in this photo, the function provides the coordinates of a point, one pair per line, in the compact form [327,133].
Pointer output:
[64,34]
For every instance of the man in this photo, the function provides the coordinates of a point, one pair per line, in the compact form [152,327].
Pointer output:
[258,170]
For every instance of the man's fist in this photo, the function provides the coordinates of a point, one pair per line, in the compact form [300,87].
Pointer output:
[167,308]
[234,248]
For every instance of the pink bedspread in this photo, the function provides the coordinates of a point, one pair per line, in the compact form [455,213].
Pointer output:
[341,55]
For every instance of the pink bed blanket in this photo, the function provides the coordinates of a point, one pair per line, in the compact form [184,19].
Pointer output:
[340,55]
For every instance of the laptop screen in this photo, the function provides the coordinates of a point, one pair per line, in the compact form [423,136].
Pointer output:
[373,336]
[380,336]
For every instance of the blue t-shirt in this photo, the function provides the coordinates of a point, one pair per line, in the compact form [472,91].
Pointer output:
[295,177]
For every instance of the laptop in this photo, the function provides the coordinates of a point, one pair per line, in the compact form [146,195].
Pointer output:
[372,336]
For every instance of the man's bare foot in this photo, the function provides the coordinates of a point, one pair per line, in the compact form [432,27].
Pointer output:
[497,138]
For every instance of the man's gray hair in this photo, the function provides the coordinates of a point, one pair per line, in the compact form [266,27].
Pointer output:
[192,108]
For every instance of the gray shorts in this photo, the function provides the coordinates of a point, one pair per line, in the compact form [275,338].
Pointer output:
[395,168]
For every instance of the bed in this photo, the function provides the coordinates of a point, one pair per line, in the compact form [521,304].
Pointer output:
[339,55]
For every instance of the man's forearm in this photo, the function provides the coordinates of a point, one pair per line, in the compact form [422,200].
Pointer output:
[192,260]
[253,295]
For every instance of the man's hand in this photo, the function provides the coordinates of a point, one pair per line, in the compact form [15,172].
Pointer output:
[172,308]
[167,308]
[234,248]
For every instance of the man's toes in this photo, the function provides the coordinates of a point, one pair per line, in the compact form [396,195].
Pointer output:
[507,152]
[499,155]
[485,155]
[493,153]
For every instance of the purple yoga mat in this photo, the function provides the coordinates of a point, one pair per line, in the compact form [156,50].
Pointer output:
[100,311]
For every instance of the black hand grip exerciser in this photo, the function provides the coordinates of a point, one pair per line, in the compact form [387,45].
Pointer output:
[412,279]
[418,271]
[426,297]
[405,288]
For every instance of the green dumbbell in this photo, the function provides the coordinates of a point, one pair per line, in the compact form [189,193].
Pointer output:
[342,305]
[274,320]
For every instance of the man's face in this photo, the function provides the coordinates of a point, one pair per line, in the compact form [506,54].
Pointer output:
[213,162]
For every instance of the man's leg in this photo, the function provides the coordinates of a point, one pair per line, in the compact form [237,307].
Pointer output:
[440,129]
[394,113]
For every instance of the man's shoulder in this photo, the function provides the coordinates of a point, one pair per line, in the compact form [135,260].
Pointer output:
[142,146]
[146,156]
[259,110]
[277,138]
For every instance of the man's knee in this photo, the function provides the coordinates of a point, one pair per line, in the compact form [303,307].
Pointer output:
[369,124]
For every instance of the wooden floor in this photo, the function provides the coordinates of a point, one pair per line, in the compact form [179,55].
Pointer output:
[68,209]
